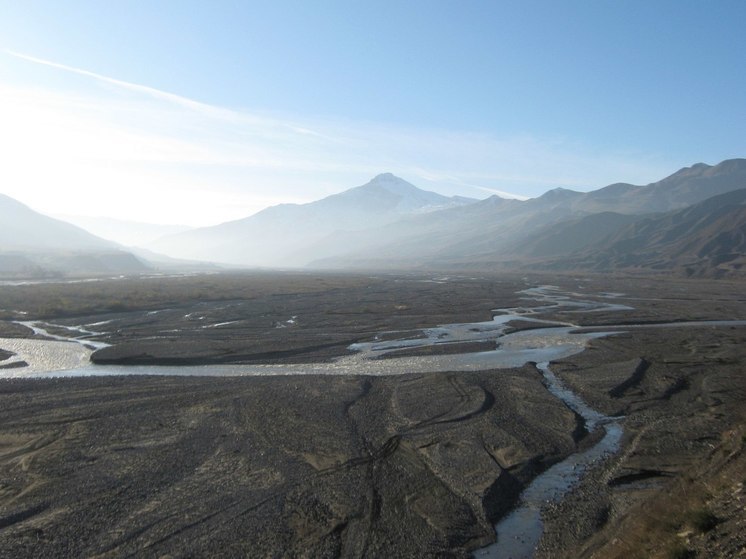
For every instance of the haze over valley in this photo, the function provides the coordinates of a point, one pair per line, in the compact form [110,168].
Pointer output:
[689,223]
[413,279]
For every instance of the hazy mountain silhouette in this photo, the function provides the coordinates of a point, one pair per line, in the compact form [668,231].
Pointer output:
[32,244]
[708,238]
[278,236]
[685,187]
[21,228]
[497,232]
[571,235]
[691,221]
[122,231]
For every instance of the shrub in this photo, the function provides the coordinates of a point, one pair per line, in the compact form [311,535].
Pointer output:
[680,551]
[703,520]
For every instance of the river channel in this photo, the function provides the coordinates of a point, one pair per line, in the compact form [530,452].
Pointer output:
[520,531]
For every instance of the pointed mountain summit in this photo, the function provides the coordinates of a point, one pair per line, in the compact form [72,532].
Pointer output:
[389,182]
[387,192]
[409,198]
[278,235]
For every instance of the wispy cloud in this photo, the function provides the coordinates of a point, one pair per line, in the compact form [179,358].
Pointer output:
[156,93]
[130,150]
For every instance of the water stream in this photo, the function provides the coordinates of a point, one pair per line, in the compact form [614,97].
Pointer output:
[518,533]
[552,340]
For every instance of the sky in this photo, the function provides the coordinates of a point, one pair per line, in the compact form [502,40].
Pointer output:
[196,113]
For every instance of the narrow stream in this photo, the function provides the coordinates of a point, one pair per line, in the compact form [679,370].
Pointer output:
[518,533]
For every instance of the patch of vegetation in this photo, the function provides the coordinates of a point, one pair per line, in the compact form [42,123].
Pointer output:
[703,520]
[681,551]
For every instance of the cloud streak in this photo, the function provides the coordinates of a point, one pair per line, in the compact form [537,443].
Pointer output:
[133,151]
[190,104]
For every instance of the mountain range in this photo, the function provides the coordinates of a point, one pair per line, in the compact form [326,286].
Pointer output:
[281,235]
[491,233]
[704,239]
[692,222]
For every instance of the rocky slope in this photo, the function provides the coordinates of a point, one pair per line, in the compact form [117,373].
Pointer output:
[706,239]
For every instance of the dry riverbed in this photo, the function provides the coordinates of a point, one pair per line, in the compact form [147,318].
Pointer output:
[406,466]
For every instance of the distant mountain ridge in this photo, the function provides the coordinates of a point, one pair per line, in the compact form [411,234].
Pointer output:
[24,229]
[278,235]
[705,239]
[683,188]
[35,245]
[509,233]
[692,222]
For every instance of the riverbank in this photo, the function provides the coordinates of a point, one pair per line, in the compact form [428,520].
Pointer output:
[682,394]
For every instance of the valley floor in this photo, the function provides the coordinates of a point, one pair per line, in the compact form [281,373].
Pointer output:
[405,466]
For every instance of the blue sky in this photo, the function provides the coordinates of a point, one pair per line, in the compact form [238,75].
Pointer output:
[214,110]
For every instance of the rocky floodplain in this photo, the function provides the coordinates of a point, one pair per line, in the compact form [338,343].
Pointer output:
[328,466]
